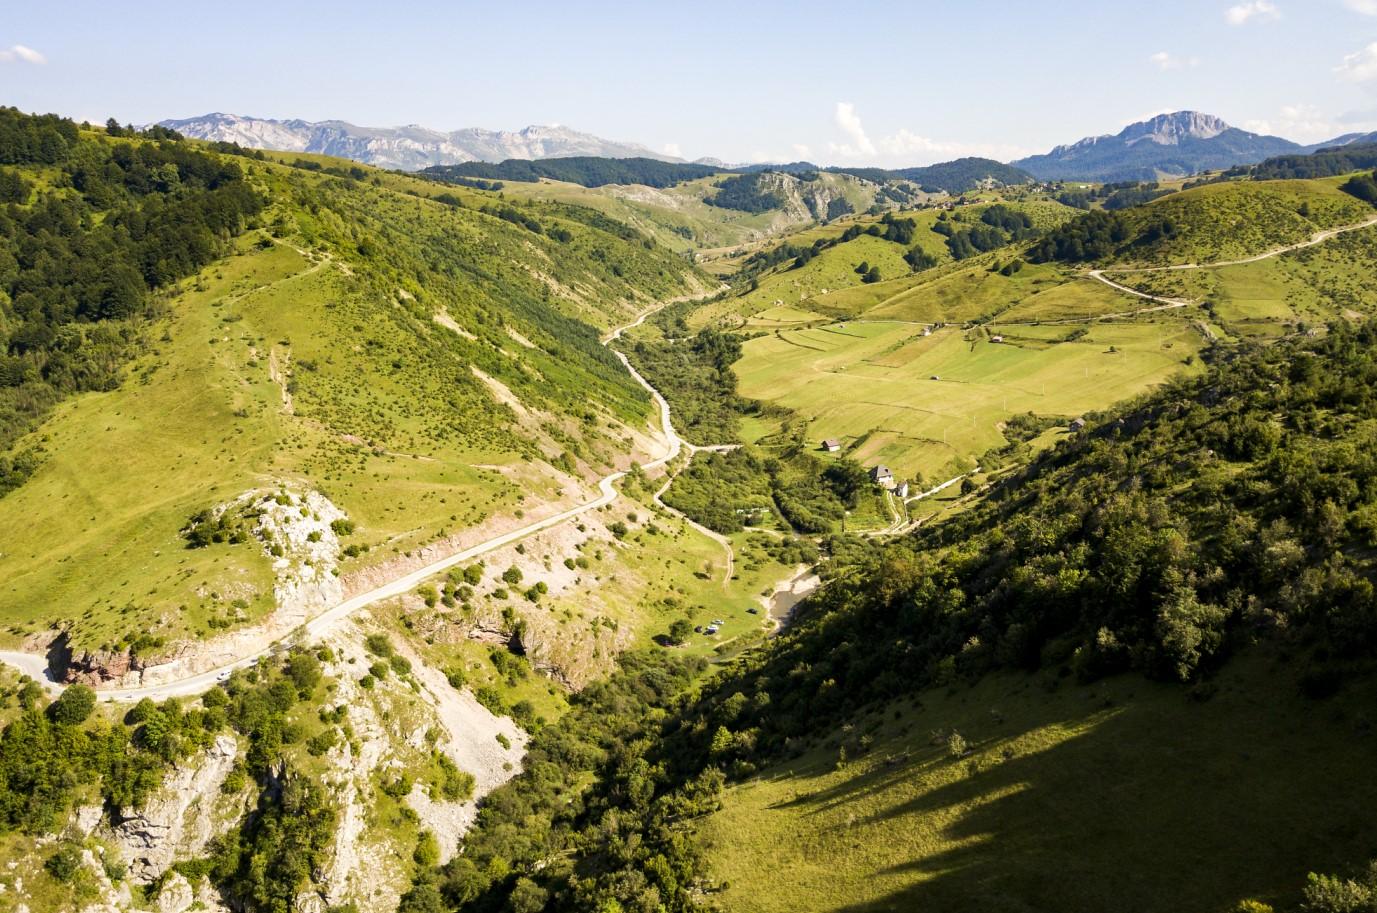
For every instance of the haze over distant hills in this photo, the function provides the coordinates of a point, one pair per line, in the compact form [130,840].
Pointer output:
[411,147]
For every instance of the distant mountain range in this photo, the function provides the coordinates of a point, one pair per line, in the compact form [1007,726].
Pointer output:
[409,148]
[1169,145]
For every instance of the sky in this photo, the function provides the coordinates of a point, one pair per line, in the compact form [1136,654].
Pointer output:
[863,82]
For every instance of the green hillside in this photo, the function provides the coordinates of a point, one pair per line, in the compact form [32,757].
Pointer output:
[1208,224]
[427,365]
[680,218]
[1019,552]
[1089,691]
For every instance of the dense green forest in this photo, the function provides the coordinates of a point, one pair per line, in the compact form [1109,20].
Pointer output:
[588,171]
[728,491]
[1322,164]
[695,376]
[1227,513]
[78,261]
[998,225]
[956,176]
[1117,195]
[745,193]
[1098,235]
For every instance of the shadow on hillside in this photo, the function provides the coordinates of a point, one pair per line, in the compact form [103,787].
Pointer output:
[1160,806]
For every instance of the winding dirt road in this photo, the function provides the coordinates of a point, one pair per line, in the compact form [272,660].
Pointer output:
[1166,304]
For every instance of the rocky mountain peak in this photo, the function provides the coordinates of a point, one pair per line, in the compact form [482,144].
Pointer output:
[1170,129]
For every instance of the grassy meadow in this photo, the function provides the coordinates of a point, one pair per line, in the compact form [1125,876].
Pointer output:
[870,383]
[1122,795]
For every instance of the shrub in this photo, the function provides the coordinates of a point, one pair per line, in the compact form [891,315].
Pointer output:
[1332,894]
[427,852]
[398,786]
[73,706]
[680,630]
[304,671]
[64,864]
[1362,186]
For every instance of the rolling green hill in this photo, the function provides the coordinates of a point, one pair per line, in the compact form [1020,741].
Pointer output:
[1208,224]
[427,365]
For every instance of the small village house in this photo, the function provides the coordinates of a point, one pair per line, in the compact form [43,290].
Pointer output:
[831,445]
[881,475]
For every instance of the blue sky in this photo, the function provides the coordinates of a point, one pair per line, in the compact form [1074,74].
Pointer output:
[888,83]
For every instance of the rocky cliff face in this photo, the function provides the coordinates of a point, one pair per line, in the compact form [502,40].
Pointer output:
[292,526]
[1170,129]
[182,817]
[409,148]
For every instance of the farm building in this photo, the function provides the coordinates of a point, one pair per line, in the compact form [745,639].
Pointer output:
[901,490]
[831,445]
[881,475]
[1077,424]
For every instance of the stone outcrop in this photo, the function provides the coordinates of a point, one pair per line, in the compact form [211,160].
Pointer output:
[182,817]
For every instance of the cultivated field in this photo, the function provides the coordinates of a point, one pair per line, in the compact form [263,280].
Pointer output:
[871,383]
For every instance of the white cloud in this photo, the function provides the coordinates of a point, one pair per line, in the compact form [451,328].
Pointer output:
[1165,60]
[850,123]
[674,150]
[903,147]
[1298,122]
[1366,7]
[18,52]
[1261,10]
[801,151]
[1360,66]
[907,143]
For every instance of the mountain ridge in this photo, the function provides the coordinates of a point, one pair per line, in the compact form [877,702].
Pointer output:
[409,147]
[1175,144]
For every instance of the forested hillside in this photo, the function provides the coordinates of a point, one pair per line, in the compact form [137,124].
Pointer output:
[77,265]
[1208,224]
[587,171]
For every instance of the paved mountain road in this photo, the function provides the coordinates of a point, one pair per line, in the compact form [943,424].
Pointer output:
[36,665]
